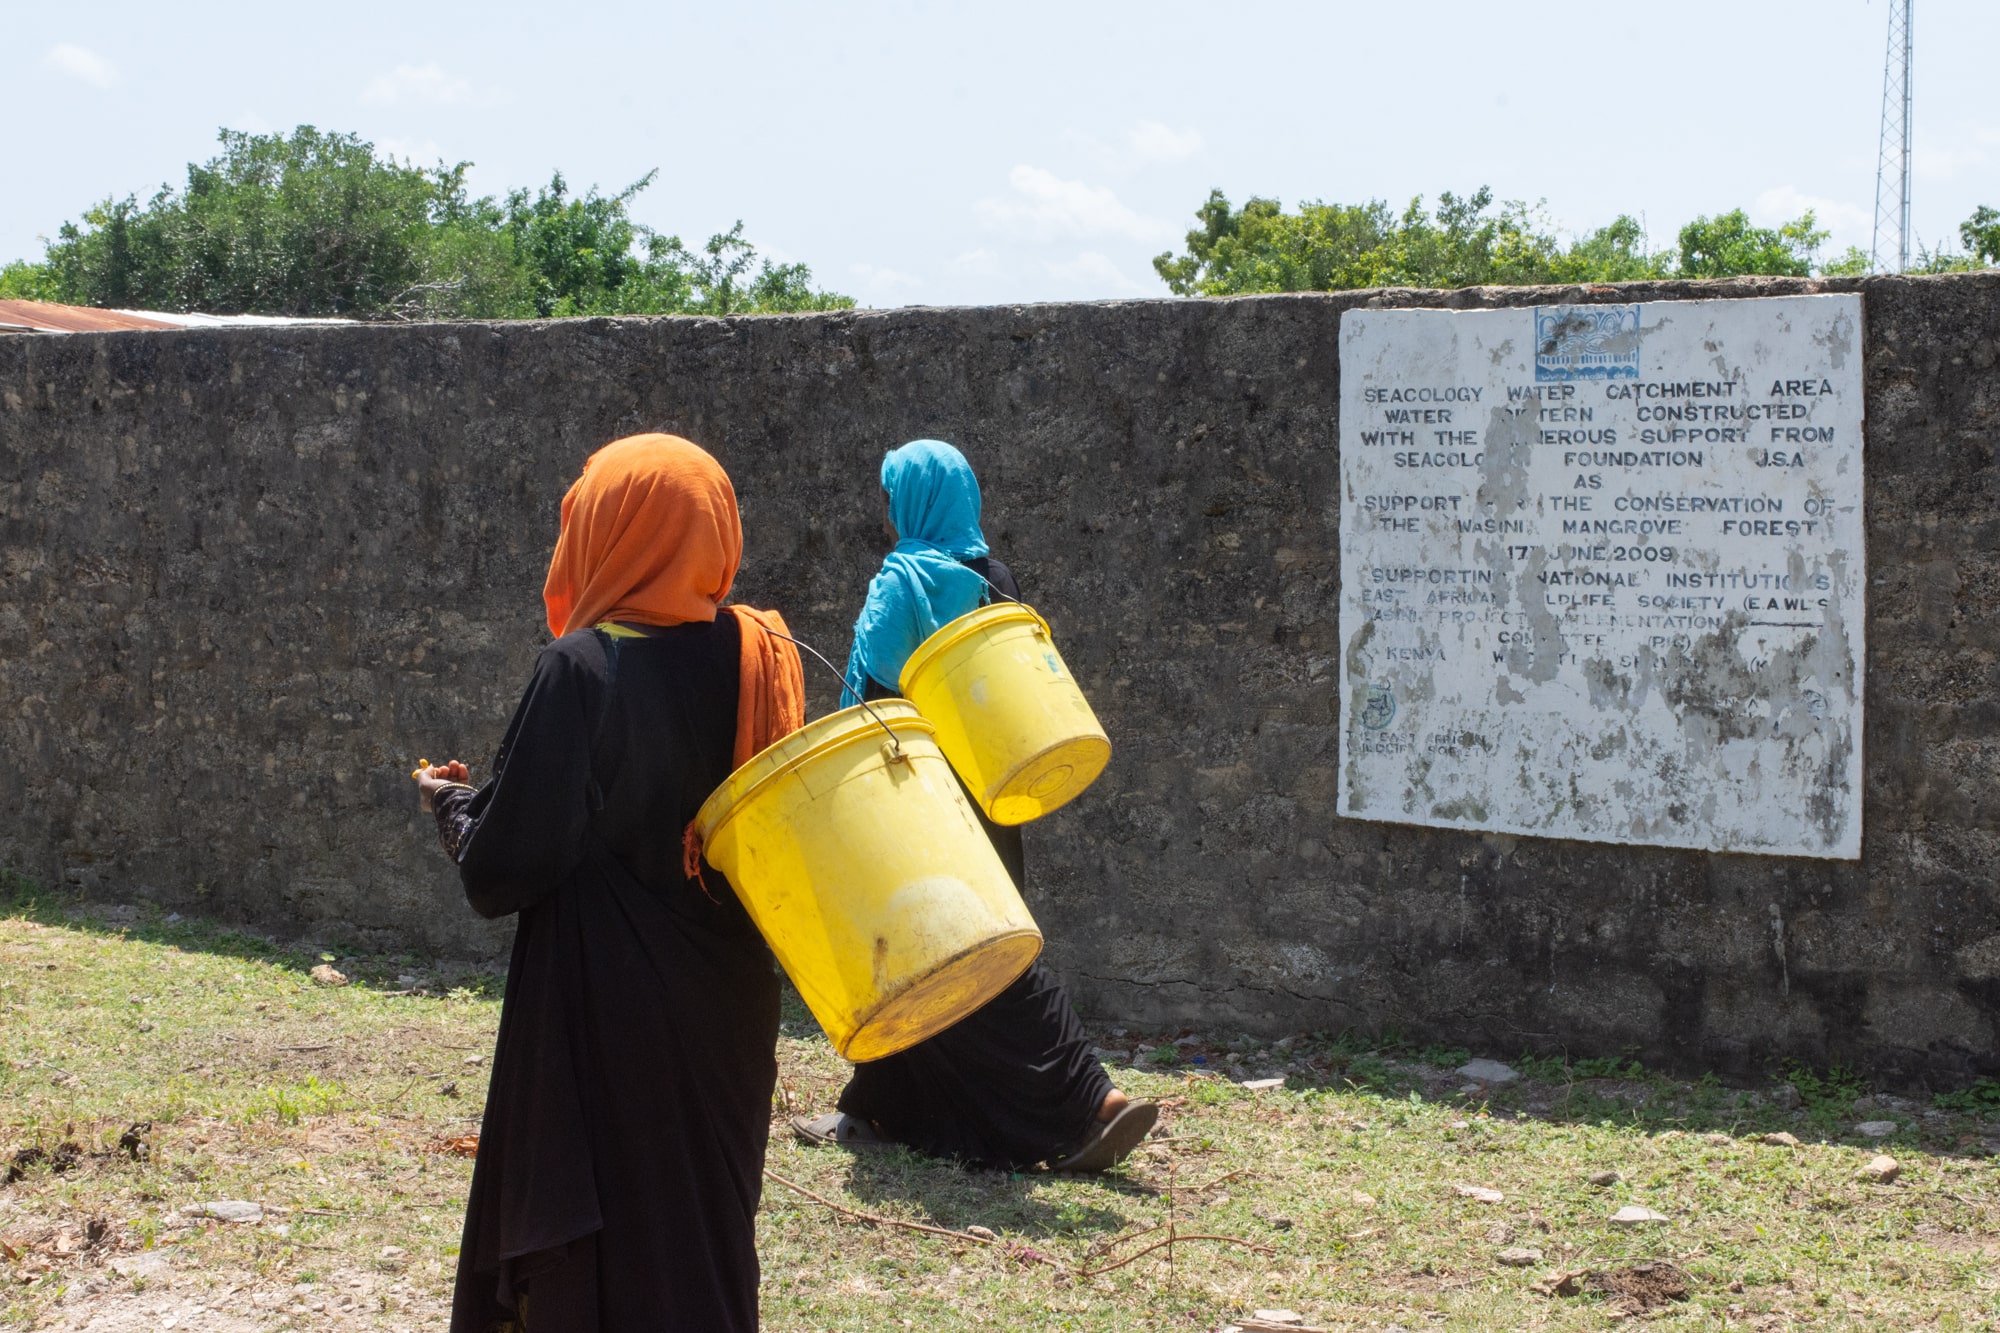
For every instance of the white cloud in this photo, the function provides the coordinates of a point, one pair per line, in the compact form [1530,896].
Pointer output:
[1851,224]
[79,63]
[417,83]
[1153,142]
[884,277]
[1943,164]
[982,262]
[418,152]
[1092,272]
[1046,207]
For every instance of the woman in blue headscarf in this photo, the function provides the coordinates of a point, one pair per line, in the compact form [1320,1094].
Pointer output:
[1016,1083]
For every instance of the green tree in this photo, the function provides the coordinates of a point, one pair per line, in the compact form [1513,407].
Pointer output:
[306,224]
[316,223]
[1464,241]
[1726,245]
[26,280]
[1981,234]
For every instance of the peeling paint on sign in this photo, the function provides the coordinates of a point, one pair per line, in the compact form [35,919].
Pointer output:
[1602,572]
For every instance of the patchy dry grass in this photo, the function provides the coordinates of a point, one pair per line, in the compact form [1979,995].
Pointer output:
[244,1080]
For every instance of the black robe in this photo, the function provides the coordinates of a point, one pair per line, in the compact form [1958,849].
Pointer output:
[1011,1085]
[621,1158]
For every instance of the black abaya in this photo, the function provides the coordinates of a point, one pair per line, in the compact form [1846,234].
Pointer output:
[1011,1085]
[621,1156]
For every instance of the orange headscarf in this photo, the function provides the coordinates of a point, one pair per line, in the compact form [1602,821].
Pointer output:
[650,536]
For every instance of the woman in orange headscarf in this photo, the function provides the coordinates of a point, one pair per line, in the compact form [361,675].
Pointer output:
[620,1160]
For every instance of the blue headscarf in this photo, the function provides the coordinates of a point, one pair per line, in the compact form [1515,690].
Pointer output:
[934,503]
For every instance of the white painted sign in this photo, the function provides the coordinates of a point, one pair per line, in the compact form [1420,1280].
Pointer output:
[1602,572]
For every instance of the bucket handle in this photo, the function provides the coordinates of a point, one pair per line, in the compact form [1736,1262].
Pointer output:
[894,749]
[1003,595]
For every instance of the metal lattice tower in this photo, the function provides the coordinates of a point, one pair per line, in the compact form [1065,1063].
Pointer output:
[1892,168]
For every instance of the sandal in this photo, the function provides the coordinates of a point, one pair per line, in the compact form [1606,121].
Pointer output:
[836,1129]
[1108,1144]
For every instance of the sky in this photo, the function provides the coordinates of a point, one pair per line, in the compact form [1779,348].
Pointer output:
[926,154]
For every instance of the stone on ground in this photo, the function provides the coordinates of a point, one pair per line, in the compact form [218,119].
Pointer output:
[1881,1169]
[1486,1071]
[1632,1215]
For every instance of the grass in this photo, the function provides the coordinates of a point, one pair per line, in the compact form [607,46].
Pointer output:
[231,1075]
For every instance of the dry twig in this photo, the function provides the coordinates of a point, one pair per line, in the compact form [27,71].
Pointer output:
[1174,1240]
[1017,1251]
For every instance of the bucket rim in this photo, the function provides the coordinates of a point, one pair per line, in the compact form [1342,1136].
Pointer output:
[953,632]
[856,723]
[1029,931]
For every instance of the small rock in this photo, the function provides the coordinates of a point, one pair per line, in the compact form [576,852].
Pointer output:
[1881,1169]
[1606,1179]
[1876,1129]
[981,1232]
[393,1252]
[1863,1105]
[1471,1089]
[1519,1256]
[1279,1316]
[227,1210]
[1718,1140]
[1361,1200]
[325,975]
[1780,1139]
[1486,1071]
[1786,1097]
[1281,1223]
[1263,1084]
[449,1090]
[1479,1193]
[147,1263]
[1632,1215]
[475,1059]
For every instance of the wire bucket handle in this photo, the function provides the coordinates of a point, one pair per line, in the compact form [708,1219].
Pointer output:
[895,747]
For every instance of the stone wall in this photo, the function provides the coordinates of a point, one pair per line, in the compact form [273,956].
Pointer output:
[251,575]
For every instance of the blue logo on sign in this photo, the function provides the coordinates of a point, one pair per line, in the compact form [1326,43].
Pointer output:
[1378,707]
[1587,342]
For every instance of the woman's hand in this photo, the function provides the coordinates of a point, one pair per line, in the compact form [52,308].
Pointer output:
[433,779]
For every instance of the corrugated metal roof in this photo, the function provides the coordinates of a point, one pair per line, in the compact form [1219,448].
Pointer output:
[48,317]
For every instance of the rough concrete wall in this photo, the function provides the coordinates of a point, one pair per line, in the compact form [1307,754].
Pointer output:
[251,575]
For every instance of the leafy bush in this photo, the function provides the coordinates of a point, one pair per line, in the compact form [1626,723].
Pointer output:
[1982,1098]
[1472,240]
[1833,1091]
[317,224]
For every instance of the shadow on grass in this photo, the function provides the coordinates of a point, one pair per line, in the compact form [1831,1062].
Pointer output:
[1024,1203]
[955,1196]
[402,973]
[1813,1106]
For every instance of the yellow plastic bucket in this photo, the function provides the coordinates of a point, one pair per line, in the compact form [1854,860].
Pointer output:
[1008,714]
[866,869]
